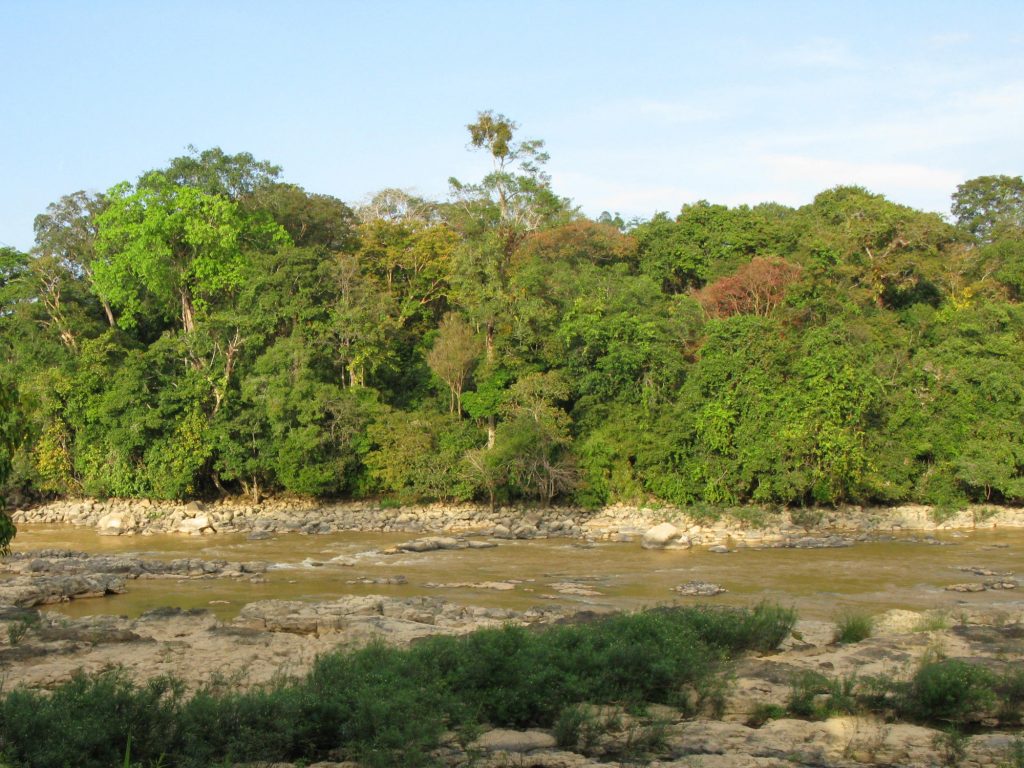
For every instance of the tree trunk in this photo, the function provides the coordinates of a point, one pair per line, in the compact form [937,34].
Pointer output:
[109,313]
[188,314]
[489,342]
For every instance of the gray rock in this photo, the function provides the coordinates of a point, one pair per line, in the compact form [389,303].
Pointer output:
[699,589]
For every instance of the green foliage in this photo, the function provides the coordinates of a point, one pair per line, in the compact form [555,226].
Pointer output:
[9,434]
[384,706]
[853,626]
[418,456]
[949,689]
[816,697]
[212,328]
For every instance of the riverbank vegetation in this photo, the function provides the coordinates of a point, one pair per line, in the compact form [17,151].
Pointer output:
[210,328]
[386,706]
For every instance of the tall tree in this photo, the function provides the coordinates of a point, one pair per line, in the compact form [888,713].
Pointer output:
[9,430]
[66,247]
[452,357]
[179,245]
[215,172]
[514,199]
[991,207]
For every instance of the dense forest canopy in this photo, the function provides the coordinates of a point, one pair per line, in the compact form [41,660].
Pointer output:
[211,329]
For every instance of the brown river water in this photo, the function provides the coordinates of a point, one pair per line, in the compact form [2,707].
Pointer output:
[819,583]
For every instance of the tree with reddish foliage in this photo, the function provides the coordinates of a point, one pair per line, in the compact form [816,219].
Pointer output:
[756,288]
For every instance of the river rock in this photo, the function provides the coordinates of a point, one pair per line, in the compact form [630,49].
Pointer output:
[195,525]
[665,536]
[699,589]
[968,587]
[498,586]
[1001,584]
[430,544]
[572,588]
[111,524]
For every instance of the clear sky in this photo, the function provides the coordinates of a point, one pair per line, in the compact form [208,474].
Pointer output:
[644,105]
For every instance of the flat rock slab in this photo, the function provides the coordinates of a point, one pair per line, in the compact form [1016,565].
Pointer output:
[571,588]
[502,740]
[498,586]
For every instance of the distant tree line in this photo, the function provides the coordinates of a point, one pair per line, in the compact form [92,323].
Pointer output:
[211,329]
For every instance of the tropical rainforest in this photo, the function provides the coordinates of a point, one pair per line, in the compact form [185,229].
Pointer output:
[209,328]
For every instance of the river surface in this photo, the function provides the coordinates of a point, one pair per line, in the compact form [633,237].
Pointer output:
[820,583]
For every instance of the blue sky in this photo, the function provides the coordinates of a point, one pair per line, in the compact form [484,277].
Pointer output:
[644,106]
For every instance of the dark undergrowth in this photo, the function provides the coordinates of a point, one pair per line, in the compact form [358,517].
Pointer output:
[941,692]
[384,706]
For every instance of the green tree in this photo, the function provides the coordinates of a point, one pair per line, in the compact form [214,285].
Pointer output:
[991,207]
[181,246]
[215,172]
[455,350]
[9,434]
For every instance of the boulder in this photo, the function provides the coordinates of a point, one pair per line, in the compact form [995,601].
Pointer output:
[195,525]
[111,524]
[665,536]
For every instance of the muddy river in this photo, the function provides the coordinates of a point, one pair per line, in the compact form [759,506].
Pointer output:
[820,583]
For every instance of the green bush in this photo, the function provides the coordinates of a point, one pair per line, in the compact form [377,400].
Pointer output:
[385,706]
[853,626]
[949,689]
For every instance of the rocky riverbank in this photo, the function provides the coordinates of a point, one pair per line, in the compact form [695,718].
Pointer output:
[268,638]
[43,577]
[661,527]
[754,726]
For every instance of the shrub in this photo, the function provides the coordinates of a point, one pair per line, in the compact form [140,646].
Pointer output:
[949,689]
[853,626]
[386,706]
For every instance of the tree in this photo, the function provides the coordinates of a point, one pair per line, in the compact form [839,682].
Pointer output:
[495,215]
[178,245]
[417,455]
[9,430]
[990,207]
[517,184]
[511,201]
[756,288]
[312,220]
[533,441]
[215,172]
[66,246]
[452,357]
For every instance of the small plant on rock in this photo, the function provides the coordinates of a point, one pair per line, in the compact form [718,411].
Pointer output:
[854,626]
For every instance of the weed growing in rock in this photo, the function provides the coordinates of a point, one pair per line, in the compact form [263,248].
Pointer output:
[951,745]
[16,630]
[763,713]
[853,626]
[1014,755]
[933,622]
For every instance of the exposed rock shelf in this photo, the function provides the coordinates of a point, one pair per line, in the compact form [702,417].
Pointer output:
[657,528]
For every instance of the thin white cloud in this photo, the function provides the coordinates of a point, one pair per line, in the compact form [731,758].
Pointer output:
[960,118]
[631,198]
[825,172]
[820,52]
[672,112]
[949,40]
